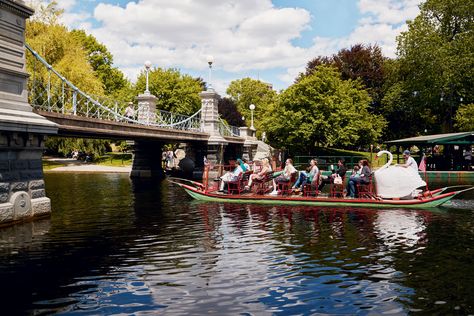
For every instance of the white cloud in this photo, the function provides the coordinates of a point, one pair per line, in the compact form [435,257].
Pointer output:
[242,35]
[67,4]
[390,11]
[385,22]
[75,20]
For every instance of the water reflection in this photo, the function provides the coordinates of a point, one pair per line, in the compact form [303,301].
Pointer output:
[28,235]
[116,246]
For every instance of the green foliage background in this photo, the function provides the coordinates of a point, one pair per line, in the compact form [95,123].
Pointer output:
[322,109]
[351,99]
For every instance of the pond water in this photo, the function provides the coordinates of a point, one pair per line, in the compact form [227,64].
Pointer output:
[115,246]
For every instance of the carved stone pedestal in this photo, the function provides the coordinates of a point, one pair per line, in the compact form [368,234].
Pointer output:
[22,132]
[210,122]
[22,191]
[146,108]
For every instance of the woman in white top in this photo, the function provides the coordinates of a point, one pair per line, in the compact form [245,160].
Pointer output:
[260,175]
[285,176]
[234,175]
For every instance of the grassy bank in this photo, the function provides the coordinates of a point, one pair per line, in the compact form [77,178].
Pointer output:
[48,164]
[111,159]
[114,159]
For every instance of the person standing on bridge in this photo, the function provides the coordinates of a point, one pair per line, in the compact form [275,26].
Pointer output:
[129,111]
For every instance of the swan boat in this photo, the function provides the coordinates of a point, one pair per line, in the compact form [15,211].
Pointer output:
[432,199]
[396,187]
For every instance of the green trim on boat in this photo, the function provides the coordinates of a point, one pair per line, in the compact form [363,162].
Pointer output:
[207,198]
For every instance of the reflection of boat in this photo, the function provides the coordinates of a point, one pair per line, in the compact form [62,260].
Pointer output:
[399,227]
[199,192]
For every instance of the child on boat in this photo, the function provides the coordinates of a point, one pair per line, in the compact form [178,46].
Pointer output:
[362,178]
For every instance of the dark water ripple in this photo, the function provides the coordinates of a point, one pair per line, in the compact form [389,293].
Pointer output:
[113,246]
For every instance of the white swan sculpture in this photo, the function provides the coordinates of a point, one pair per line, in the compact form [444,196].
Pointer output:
[396,182]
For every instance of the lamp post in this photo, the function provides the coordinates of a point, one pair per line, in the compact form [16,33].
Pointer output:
[210,61]
[147,69]
[251,107]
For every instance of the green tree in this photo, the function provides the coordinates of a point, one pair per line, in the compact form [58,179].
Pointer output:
[364,62]
[435,67]
[72,55]
[228,111]
[56,45]
[64,146]
[248,91]
[101,60]
[322,109]
[465,118]
[176,92]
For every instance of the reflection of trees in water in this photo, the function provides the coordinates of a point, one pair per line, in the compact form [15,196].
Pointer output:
[363,245]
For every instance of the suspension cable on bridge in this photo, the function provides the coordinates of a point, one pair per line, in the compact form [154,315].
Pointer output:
[71,100]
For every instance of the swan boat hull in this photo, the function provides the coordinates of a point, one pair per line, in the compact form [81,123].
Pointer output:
[198,192]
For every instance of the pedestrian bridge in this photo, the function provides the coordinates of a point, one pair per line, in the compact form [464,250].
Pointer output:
[36,105]
[79,114]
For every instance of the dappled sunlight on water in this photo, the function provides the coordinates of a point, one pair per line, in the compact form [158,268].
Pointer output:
[116,246]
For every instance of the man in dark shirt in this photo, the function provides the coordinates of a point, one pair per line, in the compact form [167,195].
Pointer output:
[341,171]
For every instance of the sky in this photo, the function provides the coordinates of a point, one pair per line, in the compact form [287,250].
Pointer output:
[269,40]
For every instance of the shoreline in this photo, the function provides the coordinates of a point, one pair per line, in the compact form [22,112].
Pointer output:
[73,165]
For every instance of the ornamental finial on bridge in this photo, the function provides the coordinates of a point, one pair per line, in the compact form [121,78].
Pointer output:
[147,70]
[210,61]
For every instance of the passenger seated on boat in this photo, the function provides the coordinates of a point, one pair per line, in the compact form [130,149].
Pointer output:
[363,178]
[246,163]
[311,188]
[341,172]
[232,176]
[285,176]
[261,174]
[356,171]
[307,176]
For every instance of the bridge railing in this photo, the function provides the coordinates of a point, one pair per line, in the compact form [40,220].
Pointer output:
[50,91]
[228,130]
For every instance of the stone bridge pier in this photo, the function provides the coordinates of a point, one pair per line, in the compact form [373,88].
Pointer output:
[147,160]
[22,132]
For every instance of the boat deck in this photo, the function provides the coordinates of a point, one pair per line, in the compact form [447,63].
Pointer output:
[289,196]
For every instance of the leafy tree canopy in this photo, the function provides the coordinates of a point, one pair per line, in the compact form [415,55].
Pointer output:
[434,71]
[364,62]
[322,109]
[248,91]
[56,45]
[64,146]
[101,61]
[465,118]
[228,111]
